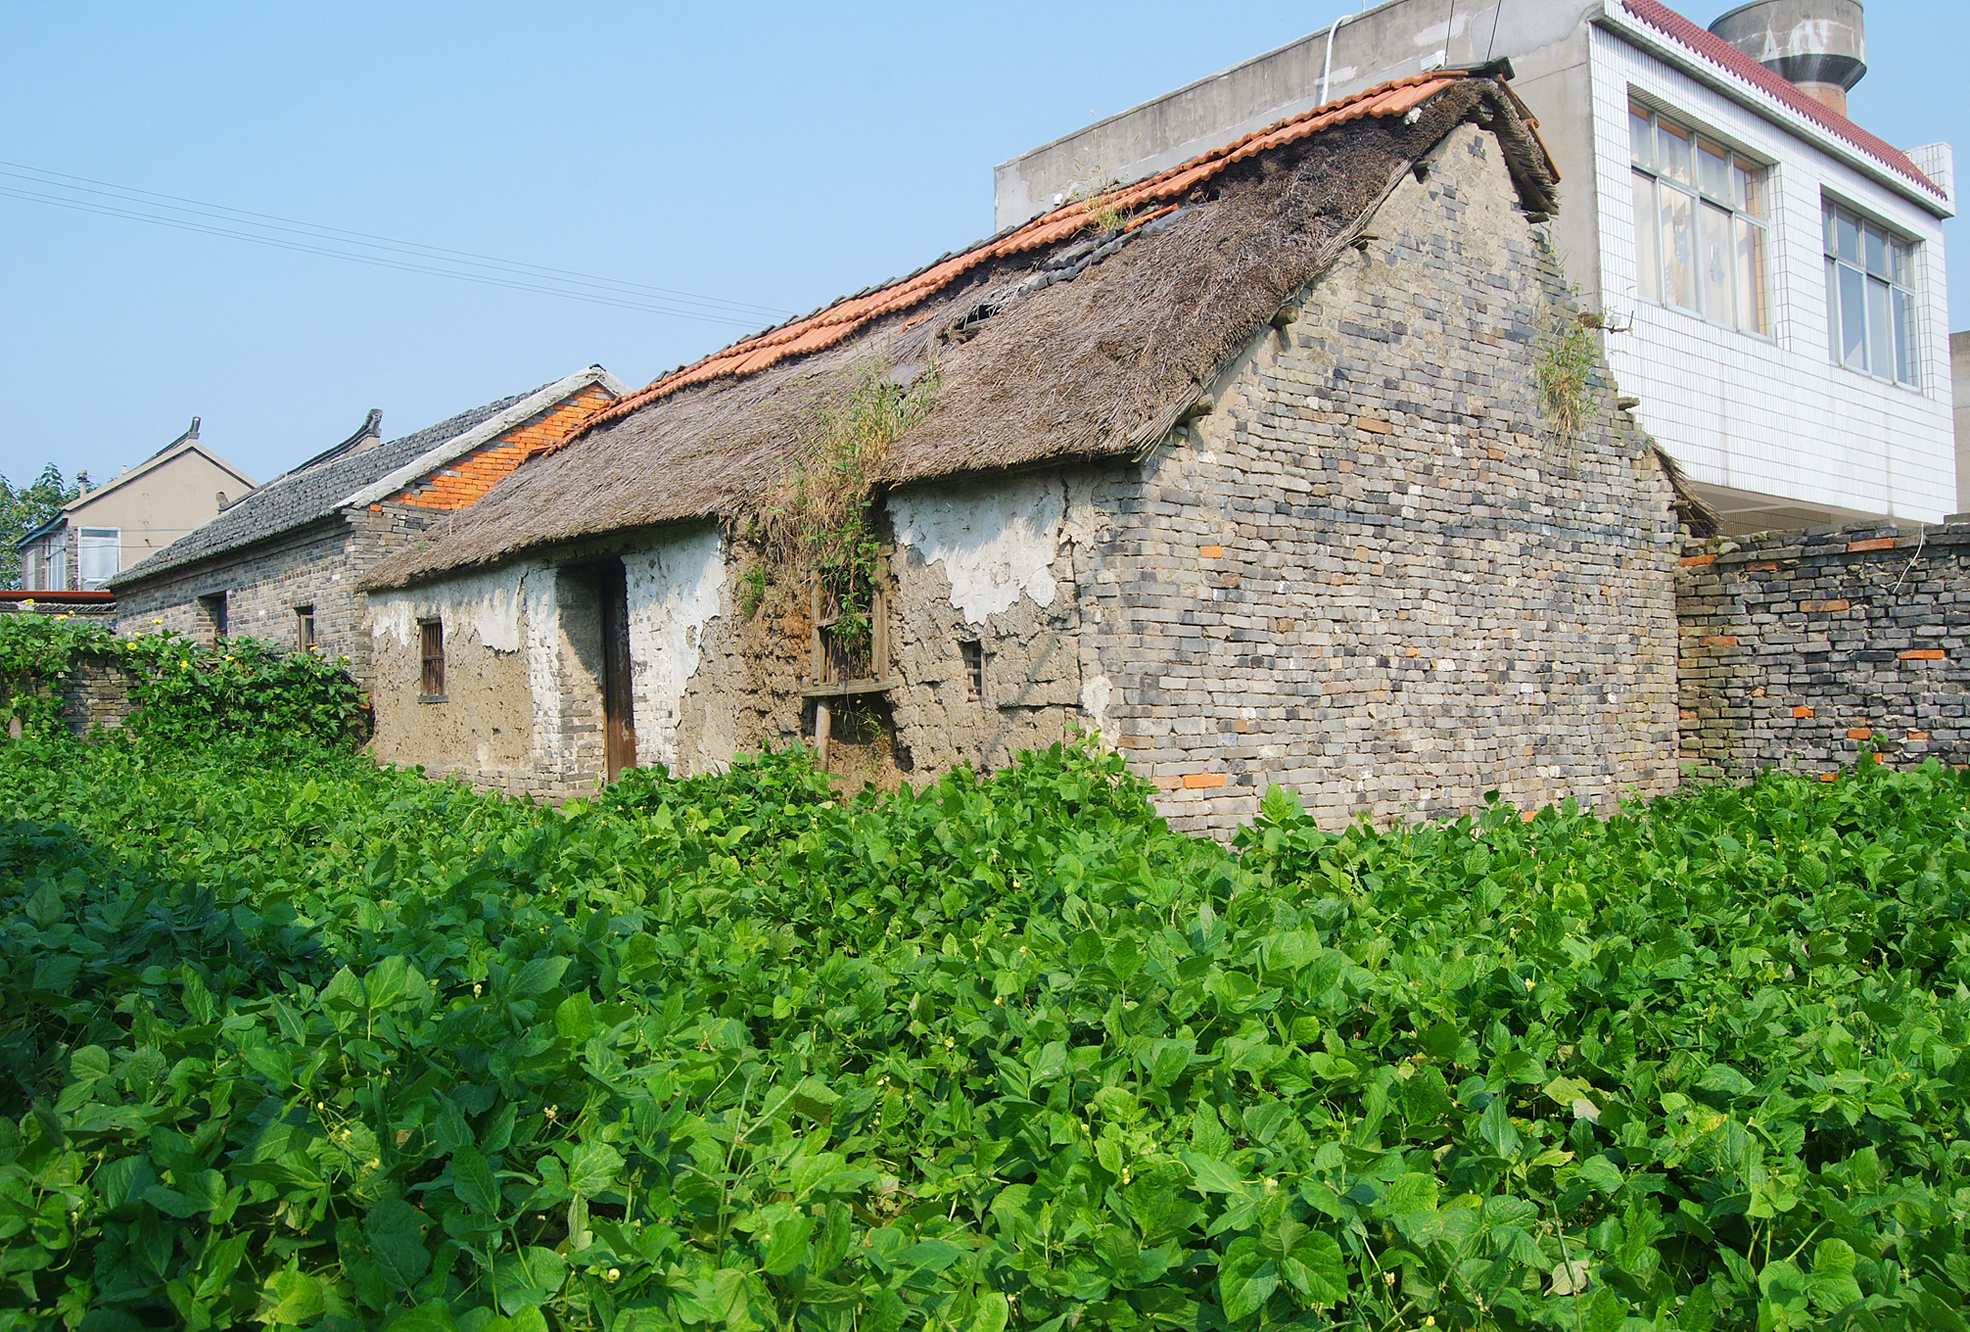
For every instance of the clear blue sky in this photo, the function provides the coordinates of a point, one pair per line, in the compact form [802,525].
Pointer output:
[778,155]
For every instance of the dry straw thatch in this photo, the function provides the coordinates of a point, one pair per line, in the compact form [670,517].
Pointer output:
[1080,346]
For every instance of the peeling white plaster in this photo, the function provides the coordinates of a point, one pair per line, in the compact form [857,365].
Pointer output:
[543,657]
[1097,691]
[995,542]
[485,605]
[673,594]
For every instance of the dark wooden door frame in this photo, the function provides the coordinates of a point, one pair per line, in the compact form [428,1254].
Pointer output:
[618,693]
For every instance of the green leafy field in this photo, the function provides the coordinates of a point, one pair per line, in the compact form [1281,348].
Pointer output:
[290,1040]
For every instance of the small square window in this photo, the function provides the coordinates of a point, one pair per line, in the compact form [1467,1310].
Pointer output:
[431,636]
[304,628]
[973,653]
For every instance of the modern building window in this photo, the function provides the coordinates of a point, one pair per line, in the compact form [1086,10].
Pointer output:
[44,566]
[1701,229]
[973,653]
[212,609]
[431,635]
[100,555]
[304,628]
[1870,297]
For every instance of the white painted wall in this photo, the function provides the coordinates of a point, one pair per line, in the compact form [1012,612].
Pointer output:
[996,543]
[674,594]
[1775,416]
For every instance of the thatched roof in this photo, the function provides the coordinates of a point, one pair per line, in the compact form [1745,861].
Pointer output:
[1054,341]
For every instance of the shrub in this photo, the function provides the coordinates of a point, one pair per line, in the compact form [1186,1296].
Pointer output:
[183,692]
[308,1043]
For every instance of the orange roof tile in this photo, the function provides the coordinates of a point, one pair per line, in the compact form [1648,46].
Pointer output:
[840,320]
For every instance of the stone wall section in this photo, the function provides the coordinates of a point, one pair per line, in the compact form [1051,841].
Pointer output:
[1798,647]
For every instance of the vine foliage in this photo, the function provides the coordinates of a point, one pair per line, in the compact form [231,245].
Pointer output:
[820,522]
[182,691]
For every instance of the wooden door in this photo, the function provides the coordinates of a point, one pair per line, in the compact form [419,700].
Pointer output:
[618,710]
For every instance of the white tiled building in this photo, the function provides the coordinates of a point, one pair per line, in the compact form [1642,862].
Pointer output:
[1795,381]
[1792,383]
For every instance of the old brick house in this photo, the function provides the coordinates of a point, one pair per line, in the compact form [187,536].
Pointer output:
[285,563]
[1294,463]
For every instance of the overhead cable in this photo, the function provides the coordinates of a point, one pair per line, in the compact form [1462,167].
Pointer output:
[268,229]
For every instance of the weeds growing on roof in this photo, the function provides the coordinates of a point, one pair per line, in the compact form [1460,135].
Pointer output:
[819,524]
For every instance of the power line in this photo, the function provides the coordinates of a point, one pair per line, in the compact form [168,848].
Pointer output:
[268,229]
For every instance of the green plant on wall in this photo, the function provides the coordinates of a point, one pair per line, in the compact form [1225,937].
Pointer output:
[820,524]
[1565,371]
[182,691]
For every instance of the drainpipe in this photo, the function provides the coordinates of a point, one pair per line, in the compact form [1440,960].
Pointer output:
[1327,62]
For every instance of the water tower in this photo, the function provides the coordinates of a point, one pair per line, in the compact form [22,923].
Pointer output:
[1821,45]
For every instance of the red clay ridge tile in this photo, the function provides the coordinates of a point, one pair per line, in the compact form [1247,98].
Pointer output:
[819,331]
[1718,51]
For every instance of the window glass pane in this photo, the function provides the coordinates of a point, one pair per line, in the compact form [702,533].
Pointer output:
[1904,338]
[1648,231]
[1640,135]
[1877,253]
[1880,332]
[100,554]
[1672,153]
[1826,218]
[1750,188]
[1713,170]
[1751,277]
[1718,251]
[1853,317]
[1679,248]
[1847,237]
[1904,268]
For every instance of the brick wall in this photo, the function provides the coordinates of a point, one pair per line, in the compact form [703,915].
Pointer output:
[263,585]
[1797,647]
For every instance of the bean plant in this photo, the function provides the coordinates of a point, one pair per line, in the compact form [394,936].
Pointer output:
[290,1040]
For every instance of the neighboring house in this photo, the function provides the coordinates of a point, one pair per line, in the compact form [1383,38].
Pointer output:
[1773,274]
[284,563]
[110,527]
[1247,467]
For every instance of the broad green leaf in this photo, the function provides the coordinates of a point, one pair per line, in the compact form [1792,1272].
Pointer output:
[527,1277]
[1316,1269]
[396,1242]
[786,1244]
[593,1168]
[540,975]
[473,1182]
[1211,1175]
[992,1314]
[291,1298]
[1246,1280]
[574,1018]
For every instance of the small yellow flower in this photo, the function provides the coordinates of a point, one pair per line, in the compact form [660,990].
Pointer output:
[614,1274]
[552,1113]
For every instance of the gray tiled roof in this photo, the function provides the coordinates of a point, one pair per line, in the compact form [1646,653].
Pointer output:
[309,492]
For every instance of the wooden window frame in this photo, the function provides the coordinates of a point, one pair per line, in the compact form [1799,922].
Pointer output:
[304,628]
[430,636]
